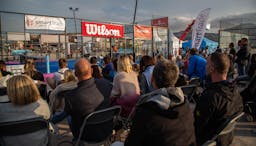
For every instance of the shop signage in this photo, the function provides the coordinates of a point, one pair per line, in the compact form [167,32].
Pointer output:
[102,30]
[163,22]
[143,32]
[42,22]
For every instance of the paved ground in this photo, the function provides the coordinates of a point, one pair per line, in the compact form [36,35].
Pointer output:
[245,133]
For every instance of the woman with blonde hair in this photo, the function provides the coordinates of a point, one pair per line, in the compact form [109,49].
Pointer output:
[30,70]
[126,88]
[24,103]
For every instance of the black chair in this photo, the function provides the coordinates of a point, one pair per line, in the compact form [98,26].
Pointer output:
[100,118]
[3,91]
[189,91]
[227,127]
[22,127]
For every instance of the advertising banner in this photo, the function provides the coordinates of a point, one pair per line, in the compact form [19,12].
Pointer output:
[42,22]
[163,22]
[199,28]
[102,30]
[142,32]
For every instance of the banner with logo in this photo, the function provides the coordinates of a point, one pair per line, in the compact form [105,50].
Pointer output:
[163,22]
[142,32]
[199,28]
[42,22]
[102,30]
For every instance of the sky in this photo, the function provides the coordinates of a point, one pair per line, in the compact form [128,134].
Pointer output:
[123,10]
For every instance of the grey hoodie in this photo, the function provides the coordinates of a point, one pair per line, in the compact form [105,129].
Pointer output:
[165,98]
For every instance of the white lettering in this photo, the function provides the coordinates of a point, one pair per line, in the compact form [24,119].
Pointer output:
[101,30]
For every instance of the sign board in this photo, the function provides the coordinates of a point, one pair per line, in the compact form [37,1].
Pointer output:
[102,30]
[142,32]
[43,22]
[163,22]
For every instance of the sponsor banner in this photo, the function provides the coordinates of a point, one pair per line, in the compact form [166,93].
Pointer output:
[42,22]
[142,32]
[102,30]
[160,33]
[163,22]
[199,28]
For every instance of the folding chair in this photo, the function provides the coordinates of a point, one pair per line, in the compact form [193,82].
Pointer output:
[189,91]
[227,127]
[24,127]
[100,118]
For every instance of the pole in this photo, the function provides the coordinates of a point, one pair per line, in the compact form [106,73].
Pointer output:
[74,15]
[168,42]
[2,45]
[110,43]
[133,22]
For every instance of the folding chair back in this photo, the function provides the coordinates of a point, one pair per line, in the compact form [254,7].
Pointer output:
[227,127]
[101,122]
[23,127]
[189,91]
[25,132]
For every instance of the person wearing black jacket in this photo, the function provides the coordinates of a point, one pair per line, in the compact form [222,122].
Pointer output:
[243,56]
[162,117]
[219,101]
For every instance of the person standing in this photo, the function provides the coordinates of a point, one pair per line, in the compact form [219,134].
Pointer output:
[196,66]
[243,56]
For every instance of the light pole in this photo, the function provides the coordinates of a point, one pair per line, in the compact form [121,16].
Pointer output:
[133,23]
[74,15]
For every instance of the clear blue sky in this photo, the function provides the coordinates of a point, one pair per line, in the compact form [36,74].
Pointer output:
[122,10]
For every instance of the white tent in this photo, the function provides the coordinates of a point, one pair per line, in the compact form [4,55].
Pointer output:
[175,44]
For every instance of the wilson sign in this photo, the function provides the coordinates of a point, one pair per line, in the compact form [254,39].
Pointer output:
[102,30]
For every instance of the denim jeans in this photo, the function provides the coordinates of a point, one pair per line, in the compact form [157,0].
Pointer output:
[241,69]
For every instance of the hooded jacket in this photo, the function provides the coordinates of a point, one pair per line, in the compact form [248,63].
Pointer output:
[162,118]
[219,101]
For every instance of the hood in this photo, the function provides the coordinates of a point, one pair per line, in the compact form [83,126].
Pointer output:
[165,98]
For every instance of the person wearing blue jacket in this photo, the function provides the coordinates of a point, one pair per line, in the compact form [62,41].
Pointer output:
[196,66]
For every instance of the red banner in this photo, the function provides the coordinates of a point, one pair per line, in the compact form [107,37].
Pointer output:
[143,32]
[102,30]
[163,22]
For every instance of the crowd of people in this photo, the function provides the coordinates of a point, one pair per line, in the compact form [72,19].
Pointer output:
[149,93]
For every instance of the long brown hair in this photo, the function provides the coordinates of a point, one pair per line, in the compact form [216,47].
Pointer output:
[29,68]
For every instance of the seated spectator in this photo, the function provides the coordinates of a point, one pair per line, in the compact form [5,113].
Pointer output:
[58,76]
[69,83]
[126,88]
[30,70]
[196,66]
[125,82]
[162,117]
[107,69]
[180,63]
[3,80]
[3,69]
[83,100]
[96,70]
[24,103]
[252,67]
[147,64]
[219,101]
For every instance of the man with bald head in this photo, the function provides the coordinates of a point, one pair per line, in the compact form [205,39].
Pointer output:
[83,100]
